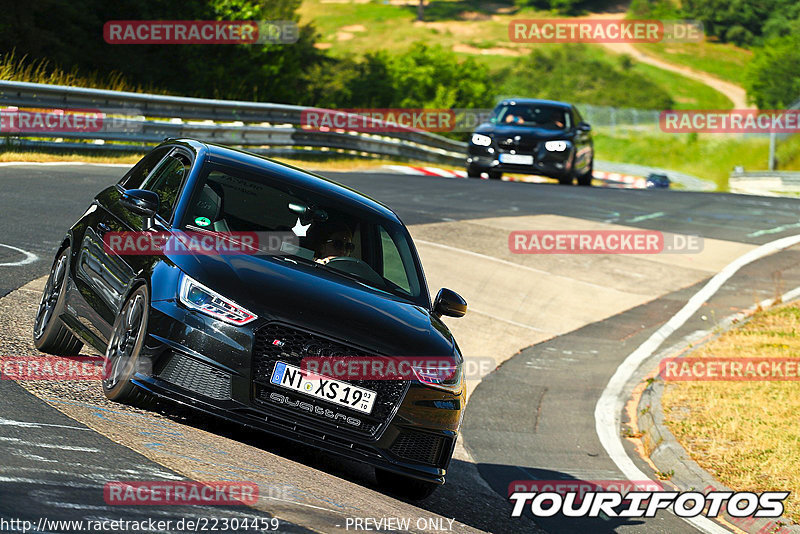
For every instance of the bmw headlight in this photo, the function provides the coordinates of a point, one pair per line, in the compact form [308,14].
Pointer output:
[555,146]
[198,297]
[481,140]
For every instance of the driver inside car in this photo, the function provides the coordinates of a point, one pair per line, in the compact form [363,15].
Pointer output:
[333,241]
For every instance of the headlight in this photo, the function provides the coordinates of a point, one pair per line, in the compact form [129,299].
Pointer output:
[481,140]
[439,374]
[198,297]
[555,146]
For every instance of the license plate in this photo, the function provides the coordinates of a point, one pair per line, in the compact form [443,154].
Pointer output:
[322,387]
[519,159]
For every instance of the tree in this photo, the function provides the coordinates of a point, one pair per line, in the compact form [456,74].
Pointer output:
[772,79]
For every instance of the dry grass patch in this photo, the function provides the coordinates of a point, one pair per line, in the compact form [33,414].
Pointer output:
[43,157]
[746,434]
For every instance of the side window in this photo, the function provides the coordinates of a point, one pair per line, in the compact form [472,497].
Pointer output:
[166,180]
[135,177]
[393,268]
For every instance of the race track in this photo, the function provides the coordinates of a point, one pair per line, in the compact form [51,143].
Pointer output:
[532,418]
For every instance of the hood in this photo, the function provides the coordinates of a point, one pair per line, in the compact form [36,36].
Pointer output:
[315,299]
[525,132]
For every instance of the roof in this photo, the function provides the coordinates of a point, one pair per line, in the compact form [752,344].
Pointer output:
[293,175]
[555,103]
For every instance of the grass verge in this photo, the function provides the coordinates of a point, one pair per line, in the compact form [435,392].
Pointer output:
[328,164]
[711,157]
[746,434]
[723,60]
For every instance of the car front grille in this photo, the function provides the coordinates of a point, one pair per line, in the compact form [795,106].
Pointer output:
[419,447]
[523,146]
[196,376]
[277,342]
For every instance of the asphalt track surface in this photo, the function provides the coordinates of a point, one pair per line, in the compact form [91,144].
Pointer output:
[533,418]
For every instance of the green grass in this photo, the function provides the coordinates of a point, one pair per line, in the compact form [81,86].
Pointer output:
[473,28]
[787,153]
[711,157]
[725,61]
[20,69]
[687,93]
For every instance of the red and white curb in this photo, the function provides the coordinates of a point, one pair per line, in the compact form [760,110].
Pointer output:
[610,179]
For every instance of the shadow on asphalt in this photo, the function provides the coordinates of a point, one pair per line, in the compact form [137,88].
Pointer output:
[463,498]
[499,477]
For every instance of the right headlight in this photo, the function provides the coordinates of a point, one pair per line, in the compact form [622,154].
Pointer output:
[441,374]
[481,140]
[196,296]
[555,146]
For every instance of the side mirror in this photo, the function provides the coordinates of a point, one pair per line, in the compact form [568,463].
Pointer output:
[140,201]
[449,303]
[584,126]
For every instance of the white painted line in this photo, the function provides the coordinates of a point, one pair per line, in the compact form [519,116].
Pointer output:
[29,257]
[504,262]
[509,321]
[49,445]
[609,407]
[25,424]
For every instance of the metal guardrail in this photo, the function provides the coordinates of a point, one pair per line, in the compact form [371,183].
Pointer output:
[261,126]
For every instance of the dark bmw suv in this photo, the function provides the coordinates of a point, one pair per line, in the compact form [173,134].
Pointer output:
[227,329]
[527,136]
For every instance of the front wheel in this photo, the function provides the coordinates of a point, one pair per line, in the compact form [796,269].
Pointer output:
[124,348]
[495,175]
[586,178]
[473,173]
[50,335]
[404,486]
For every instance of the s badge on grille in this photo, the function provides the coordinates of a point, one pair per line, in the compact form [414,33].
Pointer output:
[278,342]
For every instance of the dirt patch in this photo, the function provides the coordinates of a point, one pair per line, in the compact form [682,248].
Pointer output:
[494,51]
[354,28]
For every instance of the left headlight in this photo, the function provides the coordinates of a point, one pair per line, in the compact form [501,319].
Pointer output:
[198,297]
[481,140]
[555,146]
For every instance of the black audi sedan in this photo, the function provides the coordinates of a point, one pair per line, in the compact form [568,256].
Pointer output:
[227,332]
[528,136]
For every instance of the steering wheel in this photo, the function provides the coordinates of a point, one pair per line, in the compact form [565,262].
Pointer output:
[357,267]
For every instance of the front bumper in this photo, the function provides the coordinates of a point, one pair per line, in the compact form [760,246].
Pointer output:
[199,362]
[552,164]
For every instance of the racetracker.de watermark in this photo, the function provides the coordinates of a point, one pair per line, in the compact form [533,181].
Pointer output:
[739,121]
[395,367]
[393,120]
[602,242]
[692,369]
[199,243]
[162,492]
[604,31]
[70,121]
[52,368]
[201,32]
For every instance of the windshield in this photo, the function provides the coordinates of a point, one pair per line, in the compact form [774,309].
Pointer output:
[533,115]
[314,229]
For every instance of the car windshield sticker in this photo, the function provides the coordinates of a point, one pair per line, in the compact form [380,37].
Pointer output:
[202,221]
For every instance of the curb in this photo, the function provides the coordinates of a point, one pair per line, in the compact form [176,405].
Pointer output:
[610,179]
[665,452]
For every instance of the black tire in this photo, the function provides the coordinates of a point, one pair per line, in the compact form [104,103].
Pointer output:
[50,335]
[565,180]
[473,173]
[586,178]
[495,175]
[403,486]
[124,348]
